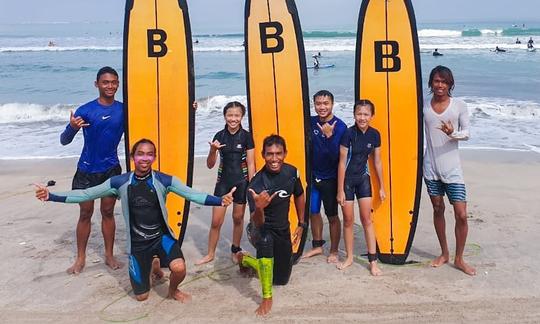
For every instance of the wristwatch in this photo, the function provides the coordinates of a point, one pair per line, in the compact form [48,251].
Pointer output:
[303,225]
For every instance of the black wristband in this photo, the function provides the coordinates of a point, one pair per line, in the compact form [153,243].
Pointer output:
[303,225]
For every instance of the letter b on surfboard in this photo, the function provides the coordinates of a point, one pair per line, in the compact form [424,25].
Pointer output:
[386,56]
[271,40]
[156,42]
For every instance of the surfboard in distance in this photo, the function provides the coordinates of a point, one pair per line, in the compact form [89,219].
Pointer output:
[159,91]
[277,87]
[322,66]
[388,73]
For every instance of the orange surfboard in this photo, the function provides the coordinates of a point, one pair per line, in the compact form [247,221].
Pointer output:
[277,87]
[388,73]
[159,91]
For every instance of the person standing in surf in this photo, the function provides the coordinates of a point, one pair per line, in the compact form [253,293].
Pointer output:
[326,133]
[102,121]
[236,168]
[357,144]
[269,196]
[143,193]
[446,121]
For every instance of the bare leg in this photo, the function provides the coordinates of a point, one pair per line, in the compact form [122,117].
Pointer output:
[82,233]
[108,229]
[238,226]
[440,229]
[348,234]
[369,232]
[178,273]
[218,216]
[335,236]
[461,230]
[316,232]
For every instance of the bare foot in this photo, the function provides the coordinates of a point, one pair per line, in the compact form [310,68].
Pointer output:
[180,296]
[234,257]
[345,264]
[333,258]
[265,307]
[157,273]
[313,252]
[77,267]
[374,269]
[439,261]
[113,263]
[461,265]
[207,258]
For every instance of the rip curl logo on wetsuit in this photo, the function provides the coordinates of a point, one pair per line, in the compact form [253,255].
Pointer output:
[283,194]
[316,132]
[369,145]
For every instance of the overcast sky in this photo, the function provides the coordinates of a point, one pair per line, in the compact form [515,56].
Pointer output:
[227,15]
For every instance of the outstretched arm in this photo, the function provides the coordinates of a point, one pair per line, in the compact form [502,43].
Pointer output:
[198,197]
[77,196]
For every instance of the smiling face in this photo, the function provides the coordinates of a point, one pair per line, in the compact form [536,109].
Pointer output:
[274,155]
[323,107]
[107,85]
[233,118]
[362,116]
[440,86]
[143,157]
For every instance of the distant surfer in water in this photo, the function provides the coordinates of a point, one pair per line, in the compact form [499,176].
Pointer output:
[436,52]
[102,121]
[357,144]
[530,43]
[326,133]
[316,63]
[518,41]
[235,148]
[446,122]
[269,196]
[151,241]
[499,50]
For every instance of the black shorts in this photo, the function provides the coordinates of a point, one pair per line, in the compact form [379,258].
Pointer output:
[83,180]
[361,187]
[325,191]
[140,260]
[239,196]
[273,243]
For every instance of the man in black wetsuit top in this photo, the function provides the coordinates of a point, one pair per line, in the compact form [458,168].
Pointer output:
[269,197]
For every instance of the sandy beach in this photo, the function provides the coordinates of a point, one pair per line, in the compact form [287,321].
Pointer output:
[38,245]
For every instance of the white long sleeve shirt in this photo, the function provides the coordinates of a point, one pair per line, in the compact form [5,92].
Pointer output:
[441,158]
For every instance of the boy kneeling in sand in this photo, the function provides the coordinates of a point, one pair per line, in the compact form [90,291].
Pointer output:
[143,193]
[269,198]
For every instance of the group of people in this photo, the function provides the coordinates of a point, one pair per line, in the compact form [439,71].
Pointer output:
[339,177]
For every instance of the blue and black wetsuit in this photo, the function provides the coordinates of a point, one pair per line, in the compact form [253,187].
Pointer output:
[360,146]
[233,168]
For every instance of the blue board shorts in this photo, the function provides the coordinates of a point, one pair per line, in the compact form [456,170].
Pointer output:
[456,192]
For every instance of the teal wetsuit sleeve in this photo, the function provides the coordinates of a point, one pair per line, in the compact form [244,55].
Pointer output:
[201,198]
[78,196]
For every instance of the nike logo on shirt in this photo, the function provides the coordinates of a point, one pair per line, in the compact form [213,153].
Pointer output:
[105,117]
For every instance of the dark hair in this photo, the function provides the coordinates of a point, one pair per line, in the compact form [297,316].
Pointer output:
[234,104]
[364,102]
[323,93]
[142,141]
[104,70]
[446,74]
[274,140]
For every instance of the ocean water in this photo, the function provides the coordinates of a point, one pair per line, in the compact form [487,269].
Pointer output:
[40,84]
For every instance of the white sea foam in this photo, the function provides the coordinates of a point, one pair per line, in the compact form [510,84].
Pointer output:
[439,33]
[30,112]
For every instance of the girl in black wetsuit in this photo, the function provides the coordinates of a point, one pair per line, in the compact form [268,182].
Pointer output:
[236,167]
[357,144]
